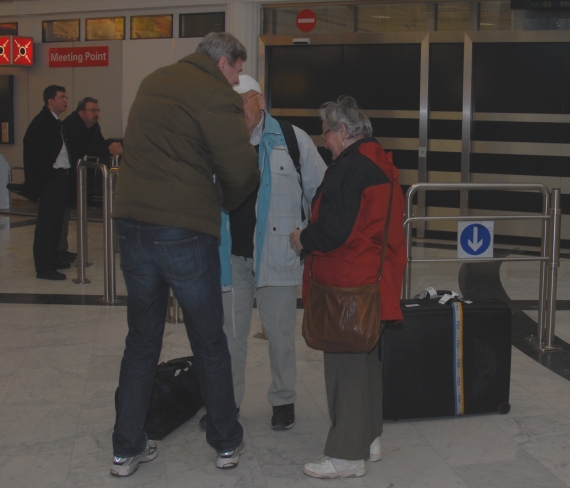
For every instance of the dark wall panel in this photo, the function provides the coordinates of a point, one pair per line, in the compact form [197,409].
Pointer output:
[506,201]
[446,78]
[409,128]
[521,132]
[383,76]
[519,77]
[444,161]
[304,76]
[404,159]
[311,125]
[520,164]
[444,129]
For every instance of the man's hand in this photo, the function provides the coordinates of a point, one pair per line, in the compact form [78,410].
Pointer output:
[115,149]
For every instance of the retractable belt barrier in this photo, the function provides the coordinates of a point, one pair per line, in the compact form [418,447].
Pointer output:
[549,250]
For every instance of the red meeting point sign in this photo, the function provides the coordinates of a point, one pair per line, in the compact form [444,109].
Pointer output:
[306,20]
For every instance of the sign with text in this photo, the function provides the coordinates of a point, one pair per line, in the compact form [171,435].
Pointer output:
[78,57]
[475,239]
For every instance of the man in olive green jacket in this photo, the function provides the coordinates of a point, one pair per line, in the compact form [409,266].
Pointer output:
[186,154]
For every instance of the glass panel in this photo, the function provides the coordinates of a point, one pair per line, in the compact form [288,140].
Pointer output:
[151,26]
[60,30]
[495,16]
[110,28]
[392,18]
[198,25]
[453,16]
[9,29]
[331,19]
[547,20]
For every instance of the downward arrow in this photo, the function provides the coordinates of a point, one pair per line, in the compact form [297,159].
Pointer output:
[475,244]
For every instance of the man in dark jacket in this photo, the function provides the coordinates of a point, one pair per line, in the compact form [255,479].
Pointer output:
[46,167]
[187,153]
[84,137]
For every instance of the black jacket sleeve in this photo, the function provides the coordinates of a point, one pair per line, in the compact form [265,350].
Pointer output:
[82,141]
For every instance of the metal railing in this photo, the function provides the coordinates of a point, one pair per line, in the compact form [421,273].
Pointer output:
[174,313]
[549,249]
[108,179]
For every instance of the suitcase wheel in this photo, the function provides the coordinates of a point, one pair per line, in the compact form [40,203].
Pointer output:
[504,408]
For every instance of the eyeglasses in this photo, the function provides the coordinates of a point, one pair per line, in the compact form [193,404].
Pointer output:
[93,110]
[246,99]
[63,97]
[324,134]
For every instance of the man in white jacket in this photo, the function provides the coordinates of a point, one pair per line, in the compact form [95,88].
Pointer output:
[257,258]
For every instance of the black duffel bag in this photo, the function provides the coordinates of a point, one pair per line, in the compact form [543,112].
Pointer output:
[175,398]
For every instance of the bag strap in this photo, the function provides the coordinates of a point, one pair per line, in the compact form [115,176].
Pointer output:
[384,237]
[295,153]
[386,229]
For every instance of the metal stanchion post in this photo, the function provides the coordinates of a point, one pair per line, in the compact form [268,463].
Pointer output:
[407,285]
[543,277]
[81,224]
[108,252]
[82,259]
[553,265]
[174,315]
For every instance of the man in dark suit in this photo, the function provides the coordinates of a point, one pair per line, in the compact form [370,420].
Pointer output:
[83,136]
[46,167]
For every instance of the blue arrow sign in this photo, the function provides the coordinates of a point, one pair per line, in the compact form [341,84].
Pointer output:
[475,239]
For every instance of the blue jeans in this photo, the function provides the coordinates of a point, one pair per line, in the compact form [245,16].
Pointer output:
[155,259]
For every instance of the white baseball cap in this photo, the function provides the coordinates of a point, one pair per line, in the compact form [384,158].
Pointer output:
[247,83]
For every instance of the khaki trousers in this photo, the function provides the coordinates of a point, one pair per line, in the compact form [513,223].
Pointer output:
[277,307]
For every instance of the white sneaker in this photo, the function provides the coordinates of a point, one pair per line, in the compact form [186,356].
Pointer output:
[375,450]
[231,458]
[128,465]
[328,467]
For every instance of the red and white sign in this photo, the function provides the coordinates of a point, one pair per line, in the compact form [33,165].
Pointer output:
[16,51]
[78,57]
[306,20]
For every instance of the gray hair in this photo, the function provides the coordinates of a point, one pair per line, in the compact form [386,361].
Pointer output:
[83,102]
[217,45]
[346,111]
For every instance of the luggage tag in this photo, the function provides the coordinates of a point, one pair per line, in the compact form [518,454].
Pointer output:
[445,298]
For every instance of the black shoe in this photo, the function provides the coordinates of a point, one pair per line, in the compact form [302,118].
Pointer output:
[283,417]
[66,256]
[62,265]
[204,420]
[52,274]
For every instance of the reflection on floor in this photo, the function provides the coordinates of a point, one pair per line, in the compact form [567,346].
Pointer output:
[59,365]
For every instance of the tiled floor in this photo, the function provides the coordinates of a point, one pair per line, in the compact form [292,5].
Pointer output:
[59,366]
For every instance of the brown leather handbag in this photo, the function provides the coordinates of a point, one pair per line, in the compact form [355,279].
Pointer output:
[345,320]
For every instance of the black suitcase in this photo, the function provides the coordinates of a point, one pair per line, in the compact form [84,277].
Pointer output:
[434,367]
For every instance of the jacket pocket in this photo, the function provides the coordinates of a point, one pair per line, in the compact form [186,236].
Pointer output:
[281,254]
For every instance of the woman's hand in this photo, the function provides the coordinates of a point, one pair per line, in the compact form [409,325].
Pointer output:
[295,240]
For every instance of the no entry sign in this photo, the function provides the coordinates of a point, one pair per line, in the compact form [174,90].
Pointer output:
[306,20]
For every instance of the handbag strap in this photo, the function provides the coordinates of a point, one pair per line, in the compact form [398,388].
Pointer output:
[384,237]
[386,229]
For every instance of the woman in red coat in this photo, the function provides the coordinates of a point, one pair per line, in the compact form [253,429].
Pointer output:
[344,245]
